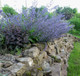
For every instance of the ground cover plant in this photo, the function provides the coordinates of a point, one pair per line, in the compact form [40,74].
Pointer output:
[30,26]
[74,60]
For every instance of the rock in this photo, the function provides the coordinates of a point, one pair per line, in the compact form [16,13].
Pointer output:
[62,50]
[57,59]
[56,69]
[7,64]
[9,57]
[64,73]
[41,46]
[63,54]
[51,46]
[53,53]
[40,73]
[50,60]
[26,60]
[5,72]
[34,61]
[65,61]
[17,69]
[1,64]
[32,52]
[57,49]
[46,67]
[42,56]
[49,50]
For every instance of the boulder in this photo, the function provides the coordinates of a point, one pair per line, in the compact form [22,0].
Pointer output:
[26,60]
[32,52]
[17,69]
[46,67]
[7,64]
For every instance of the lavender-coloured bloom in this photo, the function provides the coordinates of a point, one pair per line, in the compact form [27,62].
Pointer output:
[36,24]
[0,11]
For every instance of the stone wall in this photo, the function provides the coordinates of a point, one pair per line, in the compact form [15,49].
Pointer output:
[40,59]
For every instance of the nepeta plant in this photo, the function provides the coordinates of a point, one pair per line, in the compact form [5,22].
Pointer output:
[32,26]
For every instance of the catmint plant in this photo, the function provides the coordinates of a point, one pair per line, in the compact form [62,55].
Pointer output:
[32,26]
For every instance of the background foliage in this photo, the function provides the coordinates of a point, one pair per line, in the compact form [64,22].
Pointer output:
[67,12]
[9,10]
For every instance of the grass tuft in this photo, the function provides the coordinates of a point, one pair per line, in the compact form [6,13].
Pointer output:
[74,61]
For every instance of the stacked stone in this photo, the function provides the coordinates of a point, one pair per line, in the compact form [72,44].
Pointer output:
[35,61]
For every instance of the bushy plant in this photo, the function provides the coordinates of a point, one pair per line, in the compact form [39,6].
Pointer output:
[67,12]
[49,14]
[77,15]
[12,34]
[75,32]
[9,10]
[76,21]
[31,26]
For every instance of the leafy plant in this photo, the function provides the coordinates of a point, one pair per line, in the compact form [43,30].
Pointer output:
[14,37]
[9,10]
[31,27]
[67,12]
[76,22]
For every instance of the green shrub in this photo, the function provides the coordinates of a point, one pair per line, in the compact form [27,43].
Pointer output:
[9,10]
[76,22]
[75,32]
[67,12]
[77,15]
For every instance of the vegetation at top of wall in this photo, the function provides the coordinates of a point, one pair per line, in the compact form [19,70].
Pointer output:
[30,27]
[76,22]
[67,12]
[9,10]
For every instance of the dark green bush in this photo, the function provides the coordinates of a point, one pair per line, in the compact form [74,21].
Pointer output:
[67,12]
[76,21]
[9,10]
[75,32]
[77,15]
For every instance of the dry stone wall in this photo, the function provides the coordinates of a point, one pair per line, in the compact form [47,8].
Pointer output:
[49,59]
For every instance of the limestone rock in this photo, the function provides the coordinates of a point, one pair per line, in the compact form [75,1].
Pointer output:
[46,67]
[57,49]
[58,59]
[56,69]
[53,53]
[17,69]
[32,52]
[50,60]
[1,64]
[40,73]
[42,56]
[9,57]
[7,64]
[26,60]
